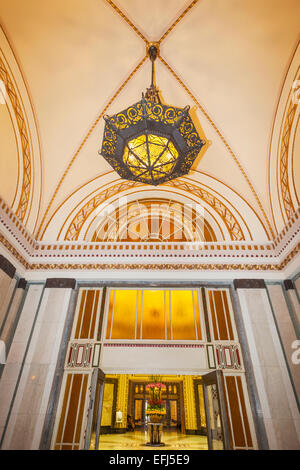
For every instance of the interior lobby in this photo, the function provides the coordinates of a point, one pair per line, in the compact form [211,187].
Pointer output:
[149,225]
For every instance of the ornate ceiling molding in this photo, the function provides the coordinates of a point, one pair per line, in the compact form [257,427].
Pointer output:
[84,141]
[286,138]
[215,256]
[25,141]
[215,203]
[44,223]
[282,193]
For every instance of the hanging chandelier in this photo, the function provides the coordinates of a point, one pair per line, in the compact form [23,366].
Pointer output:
[150,142]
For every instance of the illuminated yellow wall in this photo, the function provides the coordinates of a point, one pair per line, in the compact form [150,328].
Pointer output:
[154,314]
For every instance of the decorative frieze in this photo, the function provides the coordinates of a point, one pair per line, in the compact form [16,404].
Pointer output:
[83,355]
[228,356]
[66,255]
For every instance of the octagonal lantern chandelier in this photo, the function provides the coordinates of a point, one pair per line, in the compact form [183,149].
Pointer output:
[150,142]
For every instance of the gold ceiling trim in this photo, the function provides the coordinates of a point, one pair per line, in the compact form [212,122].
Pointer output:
[222,210]
[84,141]
[129,22]
[26,183]
[82,215]
[226,215]
[141,266]
[14,252]
[197,171]
[178,20]
[239,165]
[272,135]
[170,266]
[139,192]
[292,163]
[138,32]
[283,159]
[174,24]
[153,266]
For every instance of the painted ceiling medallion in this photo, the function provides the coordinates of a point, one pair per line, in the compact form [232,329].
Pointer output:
[150,142]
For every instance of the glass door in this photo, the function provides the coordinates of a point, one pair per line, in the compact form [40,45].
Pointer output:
[95,410]
[215,410]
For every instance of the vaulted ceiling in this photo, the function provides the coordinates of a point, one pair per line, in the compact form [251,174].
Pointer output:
[66,63]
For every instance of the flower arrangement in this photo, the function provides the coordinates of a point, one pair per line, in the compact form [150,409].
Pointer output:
[155,403]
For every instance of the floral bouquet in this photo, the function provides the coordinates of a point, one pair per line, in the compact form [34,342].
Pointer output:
[155,403]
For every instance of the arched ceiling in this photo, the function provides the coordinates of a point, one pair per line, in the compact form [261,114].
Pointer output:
[80,59]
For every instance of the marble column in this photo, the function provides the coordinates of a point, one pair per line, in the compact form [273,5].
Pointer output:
[11,319]
[7,285]
[43,317]
[275,390]
[293,299]
[287,332]
[14,362]
[297,285]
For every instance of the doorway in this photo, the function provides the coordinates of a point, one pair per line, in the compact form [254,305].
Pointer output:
[205,396]
[172,399]
[195,333]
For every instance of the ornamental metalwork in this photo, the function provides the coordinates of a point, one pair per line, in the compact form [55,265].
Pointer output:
[150,142]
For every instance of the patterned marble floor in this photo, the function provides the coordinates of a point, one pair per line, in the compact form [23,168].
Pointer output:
[137,440]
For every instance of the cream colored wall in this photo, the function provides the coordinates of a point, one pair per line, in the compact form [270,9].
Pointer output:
[297,285]
[15,358]
[11,316]
[30,367]
[7,285]
[286,330]
[291,293]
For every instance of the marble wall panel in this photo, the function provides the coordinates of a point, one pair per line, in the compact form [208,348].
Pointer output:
[7,285]
[15,359]
[286,331]
[30,405]
[277,399]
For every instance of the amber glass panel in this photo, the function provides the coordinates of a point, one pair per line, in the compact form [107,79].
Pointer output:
[80,313]
[224,294]
[68,434]
[153,323]
[87,315]
[213,314]
[168,314]
[72,413]
[124,314]
[94,316]
[223,332]
[183,319]
[197,314]
[236,418]
[244,411]
[138,315]
[81,409]
[64,408]
[227,414]
[110,311]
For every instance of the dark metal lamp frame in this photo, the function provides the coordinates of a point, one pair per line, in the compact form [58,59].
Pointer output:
[150,116]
